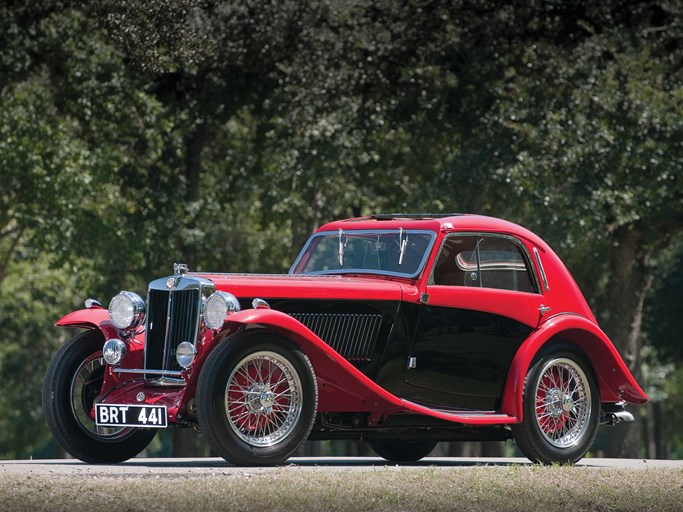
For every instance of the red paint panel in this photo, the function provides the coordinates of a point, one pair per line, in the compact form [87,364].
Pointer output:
[523,307]
[614,379]
[307,287]
[341,386]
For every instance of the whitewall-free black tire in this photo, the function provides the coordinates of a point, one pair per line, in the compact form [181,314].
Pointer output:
[72,383]
[256,399]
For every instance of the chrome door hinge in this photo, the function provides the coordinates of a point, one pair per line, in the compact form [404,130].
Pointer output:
[544,309]
[412,362]
[424,298]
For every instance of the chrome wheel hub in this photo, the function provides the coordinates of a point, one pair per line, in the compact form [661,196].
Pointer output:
[552,402]
[259,400]
[567,404]
[267,399]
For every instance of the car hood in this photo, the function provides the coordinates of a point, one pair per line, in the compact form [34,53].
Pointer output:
[311,287]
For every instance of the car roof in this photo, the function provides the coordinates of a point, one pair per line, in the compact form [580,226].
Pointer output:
[452,222]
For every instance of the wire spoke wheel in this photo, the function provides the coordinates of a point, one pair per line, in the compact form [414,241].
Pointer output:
[85,387]
[561,407]
[563,403]
[263,399]
[257,398]
[73,383]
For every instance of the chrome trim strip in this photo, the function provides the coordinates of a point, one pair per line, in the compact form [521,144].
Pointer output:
[541,269]
[167,373]
[166,382]
[169,309]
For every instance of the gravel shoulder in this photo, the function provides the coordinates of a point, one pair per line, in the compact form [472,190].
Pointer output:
[341,484]
[215,465]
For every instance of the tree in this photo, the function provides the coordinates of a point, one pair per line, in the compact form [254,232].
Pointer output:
[222,133]
[73,119]
[598,135]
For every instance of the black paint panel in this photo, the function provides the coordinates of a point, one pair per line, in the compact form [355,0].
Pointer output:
[463,357]
[388,311]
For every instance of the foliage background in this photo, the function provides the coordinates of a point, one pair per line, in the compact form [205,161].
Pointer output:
[221,133]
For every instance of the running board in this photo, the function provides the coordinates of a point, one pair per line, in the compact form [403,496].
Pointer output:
[462,417]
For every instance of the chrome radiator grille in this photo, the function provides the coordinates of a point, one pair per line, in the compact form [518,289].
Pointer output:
[173,317]
[352,335]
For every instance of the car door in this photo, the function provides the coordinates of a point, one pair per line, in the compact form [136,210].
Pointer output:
[482,301]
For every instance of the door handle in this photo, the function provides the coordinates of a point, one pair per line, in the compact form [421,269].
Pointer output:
[544,309]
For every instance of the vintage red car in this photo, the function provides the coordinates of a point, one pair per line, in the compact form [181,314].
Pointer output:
[401,330]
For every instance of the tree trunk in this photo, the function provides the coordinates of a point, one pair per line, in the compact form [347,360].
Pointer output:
[15,235]
[630,277]
[650,434]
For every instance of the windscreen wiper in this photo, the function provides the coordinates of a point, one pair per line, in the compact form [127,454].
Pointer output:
[402,242]
[342,245]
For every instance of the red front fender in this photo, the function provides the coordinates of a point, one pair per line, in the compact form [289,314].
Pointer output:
[341,386]
[94,318]
[98,318]
[614,378]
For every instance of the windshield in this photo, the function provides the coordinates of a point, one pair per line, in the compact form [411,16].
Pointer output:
[396,252]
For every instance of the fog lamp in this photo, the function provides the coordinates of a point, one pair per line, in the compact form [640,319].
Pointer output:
[185,354]
[114,351]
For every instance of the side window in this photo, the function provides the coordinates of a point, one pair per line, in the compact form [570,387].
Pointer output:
[484,261]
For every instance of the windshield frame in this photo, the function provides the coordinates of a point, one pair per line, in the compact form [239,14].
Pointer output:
[420,268]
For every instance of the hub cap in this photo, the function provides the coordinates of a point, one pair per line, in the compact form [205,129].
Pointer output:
[563,403]
[263,399]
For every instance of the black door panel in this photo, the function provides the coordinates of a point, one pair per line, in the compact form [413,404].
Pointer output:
[463,356]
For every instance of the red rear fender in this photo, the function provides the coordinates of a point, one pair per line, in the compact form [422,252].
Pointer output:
[614,378]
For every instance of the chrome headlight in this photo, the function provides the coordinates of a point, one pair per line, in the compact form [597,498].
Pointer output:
[114,351]
[217,308]
[127,311]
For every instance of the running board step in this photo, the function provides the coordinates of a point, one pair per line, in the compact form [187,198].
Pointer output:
[463,417]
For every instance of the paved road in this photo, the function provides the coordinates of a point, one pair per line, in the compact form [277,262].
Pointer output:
[204,466]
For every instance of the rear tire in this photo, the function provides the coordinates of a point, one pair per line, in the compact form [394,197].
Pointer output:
[256,399]
[561,409]
[72,383]
[399,451]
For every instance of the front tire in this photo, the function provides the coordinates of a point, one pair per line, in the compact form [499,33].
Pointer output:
[256,399]
[561,409]
[72,383]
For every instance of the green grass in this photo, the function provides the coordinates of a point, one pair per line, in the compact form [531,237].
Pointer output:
[510,488]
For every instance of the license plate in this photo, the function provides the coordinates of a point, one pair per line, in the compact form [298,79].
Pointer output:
[149,416]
